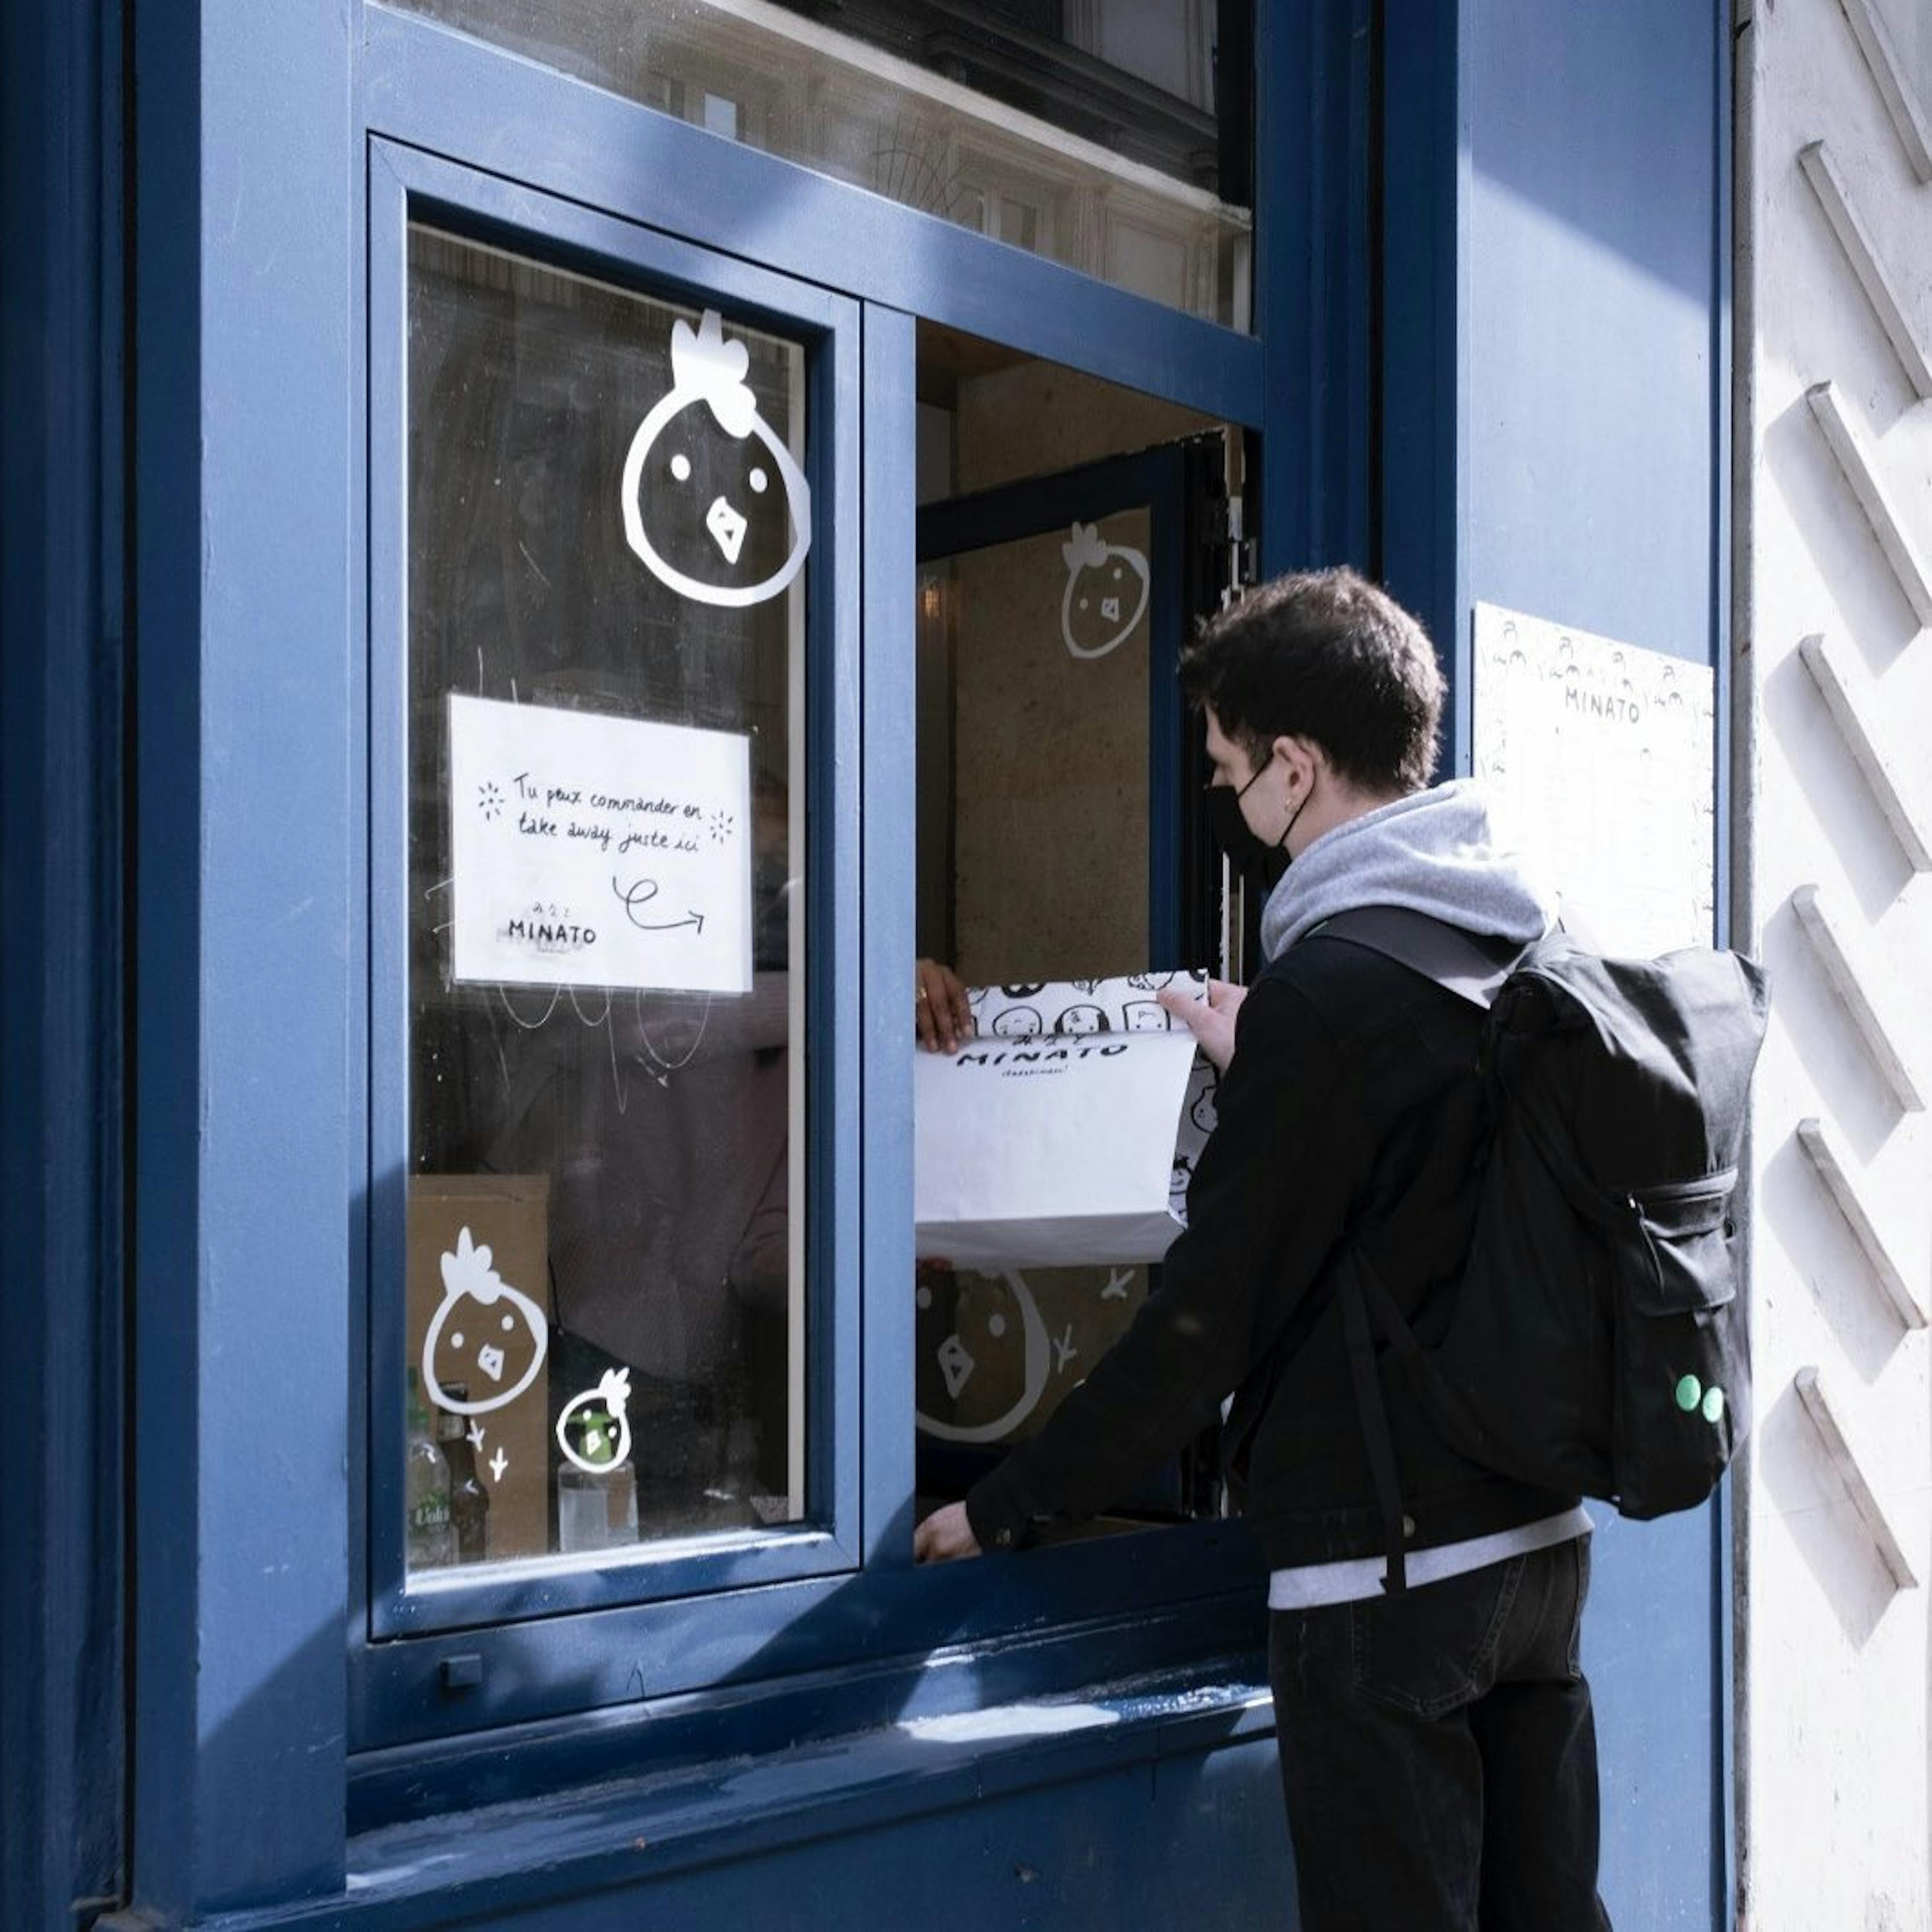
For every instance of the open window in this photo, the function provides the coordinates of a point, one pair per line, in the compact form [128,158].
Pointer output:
[1069,532]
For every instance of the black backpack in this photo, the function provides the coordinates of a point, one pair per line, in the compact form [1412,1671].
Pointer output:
[1597,1345]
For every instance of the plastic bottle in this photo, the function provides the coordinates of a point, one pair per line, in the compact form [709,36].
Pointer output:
[596,1509]
[432,1537]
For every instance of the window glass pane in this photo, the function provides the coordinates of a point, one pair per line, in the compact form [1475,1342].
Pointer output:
[1110,135]
[608,520]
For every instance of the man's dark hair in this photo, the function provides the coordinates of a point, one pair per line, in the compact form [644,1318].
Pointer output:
[1323,655]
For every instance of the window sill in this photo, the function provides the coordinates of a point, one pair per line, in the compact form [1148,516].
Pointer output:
[627,1832]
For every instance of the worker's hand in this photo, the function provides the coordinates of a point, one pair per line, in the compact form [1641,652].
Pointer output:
[944,1016]
[943,1535]
[1210,1021]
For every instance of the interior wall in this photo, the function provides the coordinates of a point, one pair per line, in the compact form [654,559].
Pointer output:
[1050,776]
[1035,418]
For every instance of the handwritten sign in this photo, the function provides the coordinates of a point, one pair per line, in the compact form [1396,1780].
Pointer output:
[593,851]
[1607,753]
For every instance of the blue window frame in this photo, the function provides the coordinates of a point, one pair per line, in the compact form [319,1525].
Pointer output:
[408,189]
[465,1653]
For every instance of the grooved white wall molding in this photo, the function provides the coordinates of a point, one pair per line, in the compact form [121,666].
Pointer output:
[1824,1417]
[1848,696]
[1822,1148]
[1855,977]
[1854,454]
[1822,171]
[1835,1670]
[1901,102]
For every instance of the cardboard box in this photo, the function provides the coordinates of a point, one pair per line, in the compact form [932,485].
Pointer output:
[508,1214]
[1065,1132]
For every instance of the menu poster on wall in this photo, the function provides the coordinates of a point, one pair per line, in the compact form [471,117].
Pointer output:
[593,851]
[1604,756]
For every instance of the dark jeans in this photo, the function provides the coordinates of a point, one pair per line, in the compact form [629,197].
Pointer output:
[1439,1755]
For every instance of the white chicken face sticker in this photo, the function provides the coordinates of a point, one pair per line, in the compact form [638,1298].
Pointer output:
[1106,593]
[993,1320]
[713,503]
[484,1333]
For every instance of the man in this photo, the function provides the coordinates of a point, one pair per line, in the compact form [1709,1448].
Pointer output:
[1438,1753]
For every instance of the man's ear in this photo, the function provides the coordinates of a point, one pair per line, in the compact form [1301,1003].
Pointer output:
[1304,758]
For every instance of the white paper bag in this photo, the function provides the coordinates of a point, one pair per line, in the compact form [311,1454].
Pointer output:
[1064,1132]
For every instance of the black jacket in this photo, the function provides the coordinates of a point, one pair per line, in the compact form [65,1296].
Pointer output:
[1351,1112]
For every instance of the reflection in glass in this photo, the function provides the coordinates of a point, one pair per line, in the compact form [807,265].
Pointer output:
[1113,135]
[605,820]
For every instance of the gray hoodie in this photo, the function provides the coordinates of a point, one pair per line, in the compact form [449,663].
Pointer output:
[1434,851]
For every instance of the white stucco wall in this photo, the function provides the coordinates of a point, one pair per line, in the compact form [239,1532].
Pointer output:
[1833,1652]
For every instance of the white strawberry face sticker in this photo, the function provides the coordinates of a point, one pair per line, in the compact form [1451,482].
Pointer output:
[713,503]
[599,1418]
[484,1333]
[1106,593]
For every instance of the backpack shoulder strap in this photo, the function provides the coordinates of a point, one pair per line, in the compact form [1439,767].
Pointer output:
[1471,965]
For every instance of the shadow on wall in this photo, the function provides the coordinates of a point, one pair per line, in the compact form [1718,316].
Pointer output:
[1823,1521]
[1801,472]
[1851,822]
[1806,1223]
[1852,1091]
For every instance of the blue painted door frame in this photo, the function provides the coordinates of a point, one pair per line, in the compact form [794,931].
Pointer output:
[62,663]
[245,467]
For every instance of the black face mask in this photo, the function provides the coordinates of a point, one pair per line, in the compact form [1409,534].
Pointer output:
[1259,864]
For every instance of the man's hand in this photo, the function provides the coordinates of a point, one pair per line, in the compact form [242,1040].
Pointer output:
[943,1535]
[1210,1021]
[943,1014]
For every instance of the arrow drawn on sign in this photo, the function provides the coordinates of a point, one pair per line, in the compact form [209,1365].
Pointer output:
[636,896]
